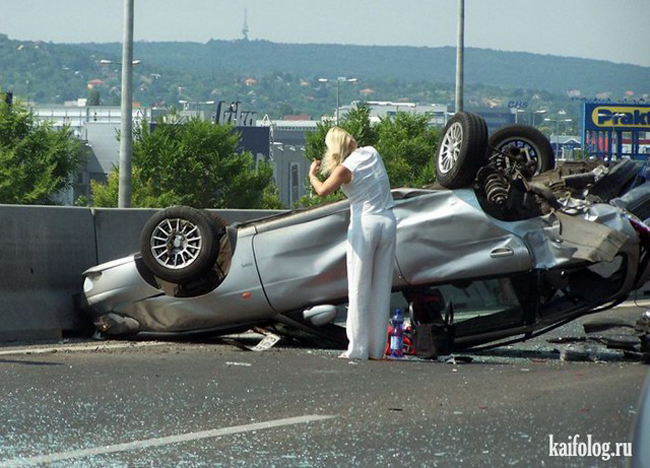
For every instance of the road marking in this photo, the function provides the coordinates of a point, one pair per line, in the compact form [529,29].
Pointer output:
[142,444]
[80,347]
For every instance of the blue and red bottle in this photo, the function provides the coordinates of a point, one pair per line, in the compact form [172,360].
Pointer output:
[397,336]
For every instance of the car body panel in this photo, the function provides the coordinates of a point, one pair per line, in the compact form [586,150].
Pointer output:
[238,299]
[304,263]
[553,245]
[455,232]
[115,285]
[288,262]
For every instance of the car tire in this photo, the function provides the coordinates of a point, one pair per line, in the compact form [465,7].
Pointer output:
[537,148]
[636,201]
[461,150]
[179,244]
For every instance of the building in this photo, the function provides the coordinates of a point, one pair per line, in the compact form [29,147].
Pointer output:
[280,142]
[97,127]
[437,113]
[290,165]
[495,117]
[78,116]
[565,146]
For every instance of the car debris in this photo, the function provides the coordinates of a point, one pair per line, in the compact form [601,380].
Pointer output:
[455,360]
[238,364]
[643,324]
[268,341]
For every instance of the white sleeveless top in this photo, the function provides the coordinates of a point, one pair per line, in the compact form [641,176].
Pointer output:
[369,189]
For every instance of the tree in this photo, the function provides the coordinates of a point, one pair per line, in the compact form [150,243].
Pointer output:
[36,160]
[406,144]
[356,122]
[193,163]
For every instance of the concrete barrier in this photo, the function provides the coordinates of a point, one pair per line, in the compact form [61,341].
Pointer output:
[240,216]
[45,249]
[118,230]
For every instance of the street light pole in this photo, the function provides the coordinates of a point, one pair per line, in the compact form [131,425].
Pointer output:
[557,130]
[540,112]
[126,134]
[460,51]
[517,112]
[338,90]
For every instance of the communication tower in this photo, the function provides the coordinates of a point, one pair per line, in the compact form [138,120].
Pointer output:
[245,29]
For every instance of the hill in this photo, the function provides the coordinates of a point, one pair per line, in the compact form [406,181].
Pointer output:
[437,65]
[282,78]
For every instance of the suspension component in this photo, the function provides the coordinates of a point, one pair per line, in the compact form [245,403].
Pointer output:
[495,185]
[496,188]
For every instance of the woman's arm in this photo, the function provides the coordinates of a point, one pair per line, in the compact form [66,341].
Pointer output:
[339,176]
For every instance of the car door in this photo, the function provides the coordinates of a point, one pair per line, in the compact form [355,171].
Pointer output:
[301,258]
[444,236]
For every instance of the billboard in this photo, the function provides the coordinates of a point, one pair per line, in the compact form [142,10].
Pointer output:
[620,117]
[614,130]
[257,140]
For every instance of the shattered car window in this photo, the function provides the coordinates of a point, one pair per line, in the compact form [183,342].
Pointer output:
[489,304]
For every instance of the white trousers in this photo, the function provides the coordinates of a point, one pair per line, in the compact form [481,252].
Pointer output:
[370,263]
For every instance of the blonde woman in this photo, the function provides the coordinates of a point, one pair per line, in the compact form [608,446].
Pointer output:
[361,174]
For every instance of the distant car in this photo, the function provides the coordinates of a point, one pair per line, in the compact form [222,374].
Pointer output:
[511,248]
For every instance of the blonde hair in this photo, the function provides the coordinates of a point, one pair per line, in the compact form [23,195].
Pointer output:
[338,143]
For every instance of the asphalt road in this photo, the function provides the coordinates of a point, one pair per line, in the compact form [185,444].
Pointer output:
[118,404]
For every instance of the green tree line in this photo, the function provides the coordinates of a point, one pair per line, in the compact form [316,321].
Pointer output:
[194,163]
[406,143]
[36,160]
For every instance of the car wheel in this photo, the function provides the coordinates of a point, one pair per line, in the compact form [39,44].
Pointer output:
[528,141]
[179,244]
[461,151]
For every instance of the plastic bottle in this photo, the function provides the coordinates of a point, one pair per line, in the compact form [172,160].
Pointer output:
[397,336]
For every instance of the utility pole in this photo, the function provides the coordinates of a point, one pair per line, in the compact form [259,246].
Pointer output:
[338,90]
[460,52]
[338,93]
[126,133]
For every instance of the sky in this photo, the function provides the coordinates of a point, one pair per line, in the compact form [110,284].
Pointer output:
[612,30]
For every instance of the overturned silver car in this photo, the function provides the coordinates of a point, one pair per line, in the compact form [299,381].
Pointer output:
[509,245]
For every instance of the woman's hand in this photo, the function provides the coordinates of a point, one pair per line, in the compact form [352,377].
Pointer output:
[314,168]
[340,175]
